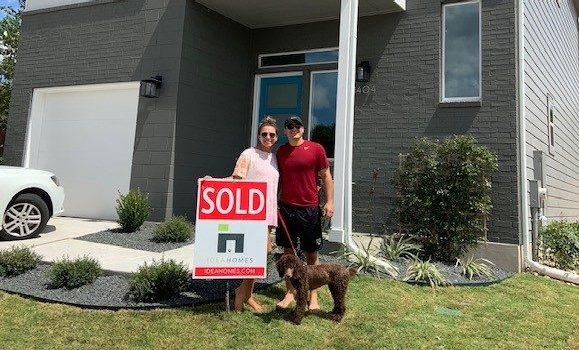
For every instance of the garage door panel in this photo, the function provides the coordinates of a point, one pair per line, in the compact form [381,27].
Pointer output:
[86,138]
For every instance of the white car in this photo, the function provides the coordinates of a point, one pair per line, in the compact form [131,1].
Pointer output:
[28,198]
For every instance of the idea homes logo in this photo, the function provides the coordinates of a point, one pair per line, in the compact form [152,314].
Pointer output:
[231,229]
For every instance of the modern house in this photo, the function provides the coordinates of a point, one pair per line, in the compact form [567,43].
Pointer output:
[369,77]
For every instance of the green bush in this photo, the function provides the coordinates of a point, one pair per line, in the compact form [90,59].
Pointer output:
[1,160]
[17,260]
[560,244]
[176,229]
[444,195]
[133,209]
[72,274]
[158,281]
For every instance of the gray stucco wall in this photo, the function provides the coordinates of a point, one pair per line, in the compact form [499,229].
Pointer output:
[551,67]
[404,51]
[106,43]
[214,105]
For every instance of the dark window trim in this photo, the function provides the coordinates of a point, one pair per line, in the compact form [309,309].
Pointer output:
[460,104]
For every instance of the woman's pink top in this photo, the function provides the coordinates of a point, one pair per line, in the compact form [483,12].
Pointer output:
[254,164]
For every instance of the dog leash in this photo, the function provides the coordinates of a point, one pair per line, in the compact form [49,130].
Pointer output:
[286,231]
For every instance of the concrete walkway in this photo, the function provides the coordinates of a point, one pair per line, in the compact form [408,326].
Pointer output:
[58,241]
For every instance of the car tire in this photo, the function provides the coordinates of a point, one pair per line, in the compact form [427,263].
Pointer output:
[25,217]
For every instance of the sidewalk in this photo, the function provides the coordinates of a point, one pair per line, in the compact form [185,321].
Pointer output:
[58,240]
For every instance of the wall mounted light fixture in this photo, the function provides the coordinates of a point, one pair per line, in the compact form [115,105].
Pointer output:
[150,87]
[363,72]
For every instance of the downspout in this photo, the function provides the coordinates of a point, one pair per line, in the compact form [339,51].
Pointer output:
[523,183]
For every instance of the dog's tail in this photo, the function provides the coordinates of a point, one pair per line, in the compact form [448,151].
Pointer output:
[352,271]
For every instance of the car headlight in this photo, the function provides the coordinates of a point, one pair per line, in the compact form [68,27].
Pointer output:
[55,180]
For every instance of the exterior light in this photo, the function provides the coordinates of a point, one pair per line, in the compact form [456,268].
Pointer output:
[363,72]
[150,87]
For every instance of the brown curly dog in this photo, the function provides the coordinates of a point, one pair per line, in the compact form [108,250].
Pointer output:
[308,277]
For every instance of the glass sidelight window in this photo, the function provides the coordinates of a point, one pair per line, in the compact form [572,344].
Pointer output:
[461,52]
[322,116]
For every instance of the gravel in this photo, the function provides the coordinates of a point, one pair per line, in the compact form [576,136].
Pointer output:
[111,291]
[453,276]
[142,239]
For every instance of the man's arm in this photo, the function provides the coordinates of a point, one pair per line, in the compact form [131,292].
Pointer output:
[326,176]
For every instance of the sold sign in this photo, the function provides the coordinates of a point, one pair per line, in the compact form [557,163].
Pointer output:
[232,200]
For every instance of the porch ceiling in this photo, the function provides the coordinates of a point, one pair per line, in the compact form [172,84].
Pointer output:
[274,13]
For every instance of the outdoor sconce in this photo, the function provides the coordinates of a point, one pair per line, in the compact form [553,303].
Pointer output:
[363,72]
[150,87]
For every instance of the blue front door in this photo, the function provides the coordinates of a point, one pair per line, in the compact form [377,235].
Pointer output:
[280,97]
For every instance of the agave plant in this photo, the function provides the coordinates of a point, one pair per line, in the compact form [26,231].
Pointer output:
[393,248]
[363,261]
[424,271]
[475,267]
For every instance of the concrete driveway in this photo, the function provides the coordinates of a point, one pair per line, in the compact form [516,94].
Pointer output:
[58,241]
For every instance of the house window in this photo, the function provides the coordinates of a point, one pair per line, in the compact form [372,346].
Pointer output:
[551,109]
[322,118]
[298,58]
[461,52]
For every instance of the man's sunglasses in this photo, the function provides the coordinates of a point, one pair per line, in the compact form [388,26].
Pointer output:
[271,135]
[293,126]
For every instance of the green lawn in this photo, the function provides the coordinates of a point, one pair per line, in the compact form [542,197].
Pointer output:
[523,312]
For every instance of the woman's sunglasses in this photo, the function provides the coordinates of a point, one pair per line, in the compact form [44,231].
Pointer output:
[271,135]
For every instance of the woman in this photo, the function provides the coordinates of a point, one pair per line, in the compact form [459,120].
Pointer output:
[259,163]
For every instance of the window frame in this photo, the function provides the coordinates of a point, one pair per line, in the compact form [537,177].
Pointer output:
[551,124]
[261,56]
[443,98]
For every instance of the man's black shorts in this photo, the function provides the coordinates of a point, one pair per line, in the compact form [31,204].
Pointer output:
[304,225]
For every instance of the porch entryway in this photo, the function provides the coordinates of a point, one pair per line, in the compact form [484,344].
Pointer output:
[281,35]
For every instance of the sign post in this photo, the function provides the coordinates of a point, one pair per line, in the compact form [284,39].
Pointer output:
[231,230]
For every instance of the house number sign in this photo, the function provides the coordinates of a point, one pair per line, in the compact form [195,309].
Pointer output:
[366,89]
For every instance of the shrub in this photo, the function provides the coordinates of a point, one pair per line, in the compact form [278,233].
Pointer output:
[17,260]
[75,273]
[132,209]
[474,267]
[444,195]
[158,281]
[424,271]
[1,160]
[560,244]
[393,248]
[176,229]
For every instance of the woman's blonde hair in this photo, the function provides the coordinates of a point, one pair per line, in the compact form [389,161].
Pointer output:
[267,121]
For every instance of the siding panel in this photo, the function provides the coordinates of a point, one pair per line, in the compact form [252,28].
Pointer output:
[552,67]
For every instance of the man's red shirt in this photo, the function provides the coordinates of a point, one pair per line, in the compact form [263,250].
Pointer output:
[298,169]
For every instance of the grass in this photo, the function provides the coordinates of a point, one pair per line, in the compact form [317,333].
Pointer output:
[523,312]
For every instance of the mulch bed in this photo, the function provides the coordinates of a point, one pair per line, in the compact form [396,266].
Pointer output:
[142,239]
[111,291]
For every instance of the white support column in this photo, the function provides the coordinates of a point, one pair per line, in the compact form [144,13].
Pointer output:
[342,221]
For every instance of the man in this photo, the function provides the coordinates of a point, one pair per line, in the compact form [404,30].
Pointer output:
[300,162]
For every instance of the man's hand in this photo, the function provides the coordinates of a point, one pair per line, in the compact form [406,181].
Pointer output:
[328,210]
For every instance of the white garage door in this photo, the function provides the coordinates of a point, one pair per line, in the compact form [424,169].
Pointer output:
[85,135]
